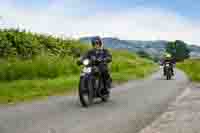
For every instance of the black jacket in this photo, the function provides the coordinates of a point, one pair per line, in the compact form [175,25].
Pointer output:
[171,61]
[103,54]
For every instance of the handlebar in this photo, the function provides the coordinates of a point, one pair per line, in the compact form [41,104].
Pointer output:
[93,61]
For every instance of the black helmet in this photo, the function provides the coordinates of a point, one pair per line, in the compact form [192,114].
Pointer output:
[96,40]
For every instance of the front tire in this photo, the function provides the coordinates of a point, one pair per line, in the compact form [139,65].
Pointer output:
[105,98]
[169,75]
[85,92]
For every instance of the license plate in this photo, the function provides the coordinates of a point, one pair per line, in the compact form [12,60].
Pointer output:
[167,65]
[87,70]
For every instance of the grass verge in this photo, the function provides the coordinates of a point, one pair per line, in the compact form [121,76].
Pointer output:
[191,68]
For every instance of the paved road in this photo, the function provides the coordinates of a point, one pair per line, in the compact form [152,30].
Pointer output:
[132,106]
[182,115]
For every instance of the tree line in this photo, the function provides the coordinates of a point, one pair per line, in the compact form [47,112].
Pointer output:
[178,49]
[25,45]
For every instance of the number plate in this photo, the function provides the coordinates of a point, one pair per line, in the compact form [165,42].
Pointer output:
[87,69]
[167,65]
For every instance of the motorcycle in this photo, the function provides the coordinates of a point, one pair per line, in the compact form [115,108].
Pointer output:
[91,83]
[168,70]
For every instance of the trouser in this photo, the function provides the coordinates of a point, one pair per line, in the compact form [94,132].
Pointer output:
[106,77]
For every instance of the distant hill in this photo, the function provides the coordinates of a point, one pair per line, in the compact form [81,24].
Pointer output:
[154,48]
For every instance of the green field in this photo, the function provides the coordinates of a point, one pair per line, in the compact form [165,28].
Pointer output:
[192,68]
[36,66]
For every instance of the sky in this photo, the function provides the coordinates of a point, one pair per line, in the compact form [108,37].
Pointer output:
[124,19]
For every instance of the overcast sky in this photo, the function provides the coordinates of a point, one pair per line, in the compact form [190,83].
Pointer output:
[125,19]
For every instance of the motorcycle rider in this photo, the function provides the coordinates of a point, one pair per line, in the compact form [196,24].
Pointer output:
[168,58]
[103,57]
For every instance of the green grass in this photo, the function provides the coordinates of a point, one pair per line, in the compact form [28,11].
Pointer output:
[191,68]
[128,66]
[39,67]
[25,90]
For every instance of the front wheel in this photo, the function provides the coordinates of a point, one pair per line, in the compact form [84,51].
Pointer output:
[169,75]
[105,98]
[85,92]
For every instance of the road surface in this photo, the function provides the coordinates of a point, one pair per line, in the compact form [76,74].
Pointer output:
[182,115]
[132,107]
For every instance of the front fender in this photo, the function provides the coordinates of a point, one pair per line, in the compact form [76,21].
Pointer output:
[86,75]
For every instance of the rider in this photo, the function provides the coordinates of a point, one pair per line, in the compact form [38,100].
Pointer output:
[103,56]
[168,58]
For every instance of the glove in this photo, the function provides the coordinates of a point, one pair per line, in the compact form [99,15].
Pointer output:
[99,60]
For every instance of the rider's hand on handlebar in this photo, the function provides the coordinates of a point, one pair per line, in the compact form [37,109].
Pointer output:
[99,60]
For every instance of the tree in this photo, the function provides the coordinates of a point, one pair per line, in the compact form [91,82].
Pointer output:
[178,49]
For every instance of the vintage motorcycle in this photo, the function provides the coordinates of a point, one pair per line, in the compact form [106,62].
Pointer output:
[91,83]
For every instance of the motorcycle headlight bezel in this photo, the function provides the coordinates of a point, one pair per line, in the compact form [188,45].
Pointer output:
[167,65]
[86,62]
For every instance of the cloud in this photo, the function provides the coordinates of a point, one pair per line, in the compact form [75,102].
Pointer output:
[72,19]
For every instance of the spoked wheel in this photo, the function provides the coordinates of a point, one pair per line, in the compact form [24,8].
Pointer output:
[85,92]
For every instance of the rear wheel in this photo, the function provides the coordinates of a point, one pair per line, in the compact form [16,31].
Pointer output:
[85,92]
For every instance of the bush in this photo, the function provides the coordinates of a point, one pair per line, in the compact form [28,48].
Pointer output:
[22,44]
[38,67]
[144,54]
[129,66]
[48,66]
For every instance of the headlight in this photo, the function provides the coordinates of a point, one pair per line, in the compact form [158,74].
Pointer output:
[87,70]
[86,62]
